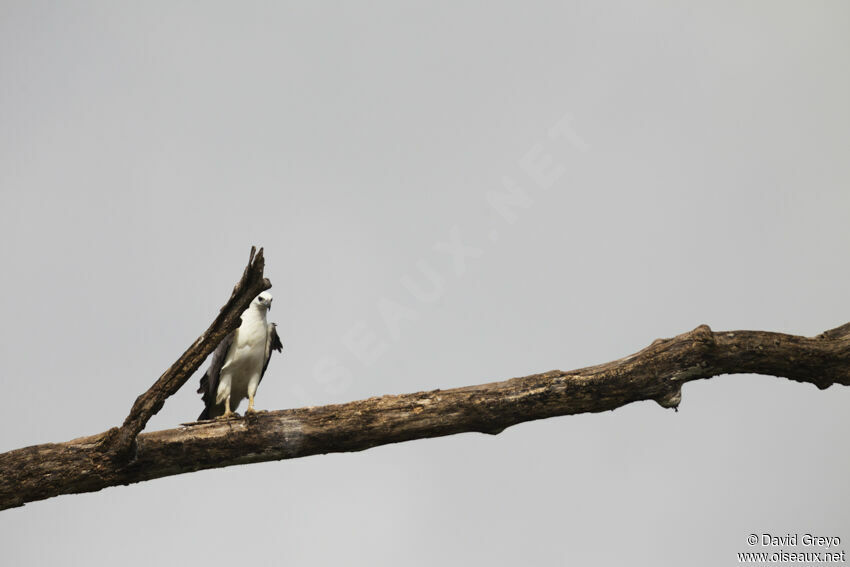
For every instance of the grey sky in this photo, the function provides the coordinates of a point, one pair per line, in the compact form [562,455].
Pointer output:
[144,147]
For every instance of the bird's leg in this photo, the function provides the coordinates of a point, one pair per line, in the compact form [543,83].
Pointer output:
[252,391]
[227,412]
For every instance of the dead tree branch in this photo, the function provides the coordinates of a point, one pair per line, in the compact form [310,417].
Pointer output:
[655,373]
[119,441]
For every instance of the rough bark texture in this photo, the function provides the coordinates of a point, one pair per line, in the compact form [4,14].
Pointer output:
[655,373]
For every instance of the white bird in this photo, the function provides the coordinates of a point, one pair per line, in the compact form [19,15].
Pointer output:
[239,362]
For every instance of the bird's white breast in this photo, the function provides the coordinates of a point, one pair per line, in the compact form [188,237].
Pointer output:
[247,354]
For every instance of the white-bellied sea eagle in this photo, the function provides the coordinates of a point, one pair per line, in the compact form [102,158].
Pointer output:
[239,362]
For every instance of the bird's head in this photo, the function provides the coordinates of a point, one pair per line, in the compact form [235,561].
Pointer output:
[263,302]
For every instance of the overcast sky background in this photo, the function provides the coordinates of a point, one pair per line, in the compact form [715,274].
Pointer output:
[703,178]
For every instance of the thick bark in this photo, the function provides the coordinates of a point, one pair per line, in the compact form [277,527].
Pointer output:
[655,373]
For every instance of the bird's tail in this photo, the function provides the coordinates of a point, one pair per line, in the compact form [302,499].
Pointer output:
[203,389]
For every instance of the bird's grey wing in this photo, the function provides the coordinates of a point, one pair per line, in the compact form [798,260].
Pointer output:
[272,343]
[209,381]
